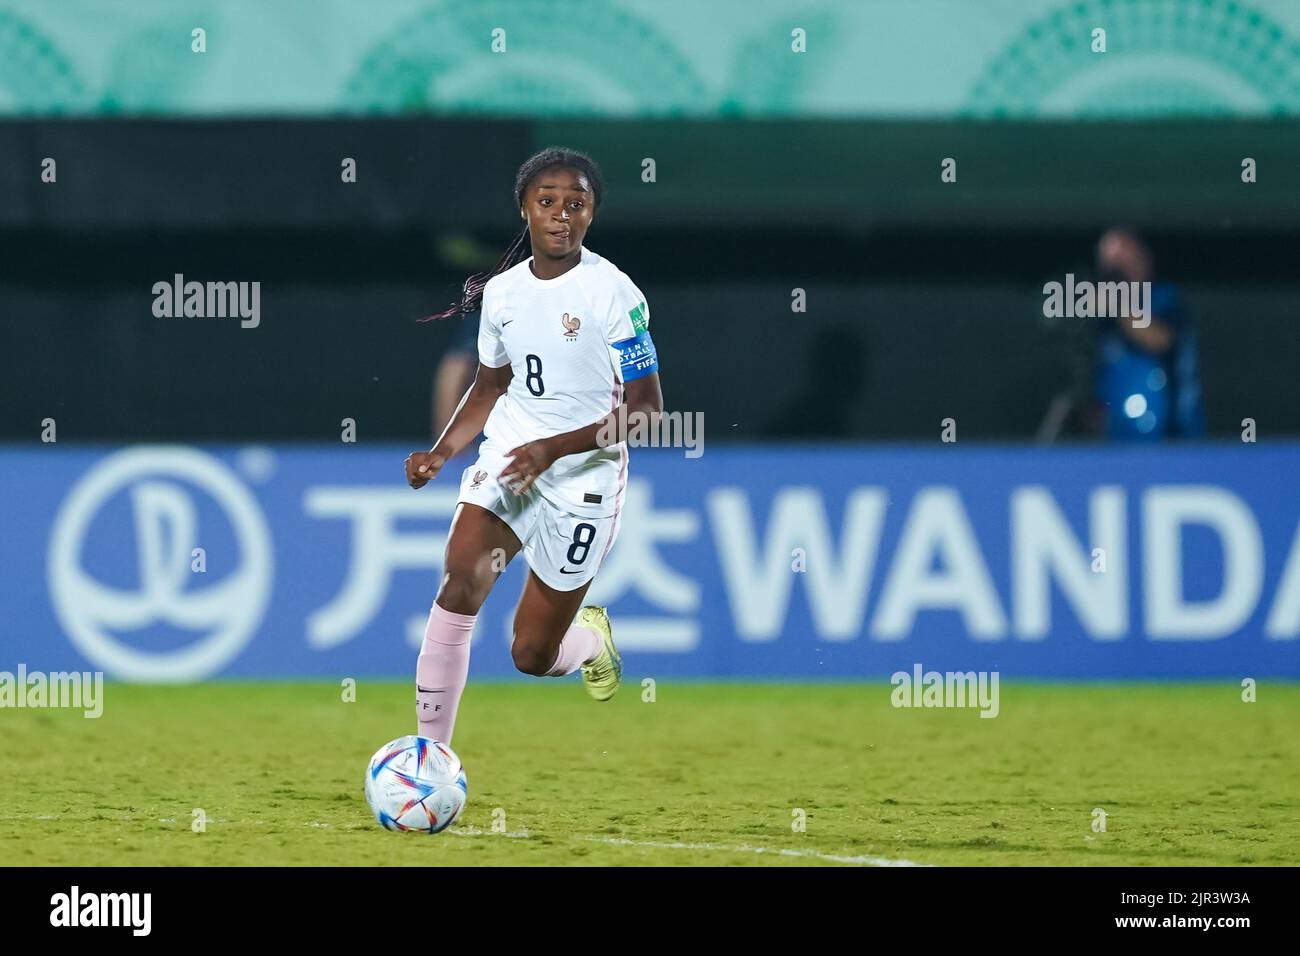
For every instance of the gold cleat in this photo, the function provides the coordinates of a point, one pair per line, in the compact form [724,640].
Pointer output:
[603,675]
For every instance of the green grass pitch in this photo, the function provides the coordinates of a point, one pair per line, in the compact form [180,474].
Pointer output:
[1187,774]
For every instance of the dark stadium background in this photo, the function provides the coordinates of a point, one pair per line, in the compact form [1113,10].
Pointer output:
[928,293]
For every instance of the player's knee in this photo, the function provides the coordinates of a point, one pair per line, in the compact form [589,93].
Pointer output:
[532,659]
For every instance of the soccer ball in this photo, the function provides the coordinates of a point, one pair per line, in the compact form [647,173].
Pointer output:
[415,785]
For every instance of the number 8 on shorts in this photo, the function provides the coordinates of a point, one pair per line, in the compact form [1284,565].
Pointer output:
[566,550]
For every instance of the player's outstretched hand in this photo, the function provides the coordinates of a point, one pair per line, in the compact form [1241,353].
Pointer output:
[422,467]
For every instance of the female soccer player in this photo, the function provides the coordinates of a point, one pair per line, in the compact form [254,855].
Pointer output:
[565,362]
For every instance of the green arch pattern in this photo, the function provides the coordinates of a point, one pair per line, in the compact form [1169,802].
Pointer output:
[1054,53]
[34,74]
[411,68]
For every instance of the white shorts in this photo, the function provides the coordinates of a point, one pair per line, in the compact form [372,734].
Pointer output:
[564,550]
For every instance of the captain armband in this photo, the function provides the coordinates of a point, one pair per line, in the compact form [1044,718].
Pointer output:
[637,356]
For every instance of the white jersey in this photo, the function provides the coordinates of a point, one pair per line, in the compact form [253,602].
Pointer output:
[571,342]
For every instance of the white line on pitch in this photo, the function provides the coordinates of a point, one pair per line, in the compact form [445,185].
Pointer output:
[476,831]
[834,858]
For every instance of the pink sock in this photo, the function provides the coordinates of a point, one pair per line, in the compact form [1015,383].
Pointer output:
[579,646]
[440,672]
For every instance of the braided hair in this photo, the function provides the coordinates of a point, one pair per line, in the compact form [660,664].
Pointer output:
[471,293]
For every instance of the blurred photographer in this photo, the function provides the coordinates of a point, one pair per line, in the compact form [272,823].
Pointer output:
[1146,373]
[1137,375]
